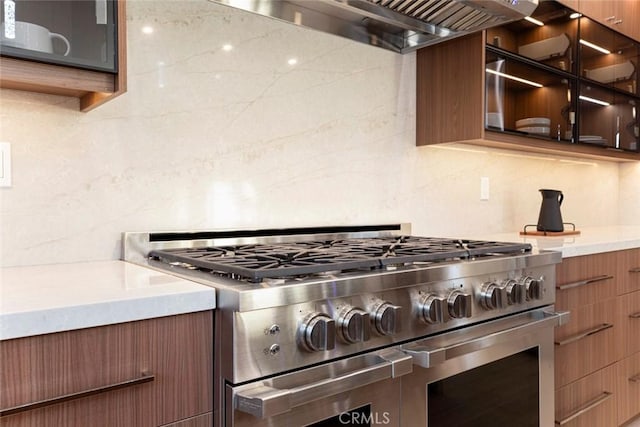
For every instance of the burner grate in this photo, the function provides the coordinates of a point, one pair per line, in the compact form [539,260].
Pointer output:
[258,261]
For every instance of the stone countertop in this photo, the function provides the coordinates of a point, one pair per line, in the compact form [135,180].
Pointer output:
[43,299]
[591,240]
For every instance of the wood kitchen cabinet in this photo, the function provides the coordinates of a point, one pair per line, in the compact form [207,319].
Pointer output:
[587,343]
[597,357]
[89,72]
[152,373]
[628,312]
[629,271]
[621,15]
[595,393]
[204,420]
[628,383]
[585,288]
[481,88]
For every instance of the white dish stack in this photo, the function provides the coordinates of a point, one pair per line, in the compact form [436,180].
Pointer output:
[534,125]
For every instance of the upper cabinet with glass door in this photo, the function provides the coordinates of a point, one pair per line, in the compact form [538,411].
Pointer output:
[78,33]
[563,78]
[529,75]
[608,57]
[608,97]
[547,37]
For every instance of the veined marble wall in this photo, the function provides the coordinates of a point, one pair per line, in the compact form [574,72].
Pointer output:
[630,193]
[234,120]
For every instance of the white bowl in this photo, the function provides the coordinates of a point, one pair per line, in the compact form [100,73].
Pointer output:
[537,130]
[533,121]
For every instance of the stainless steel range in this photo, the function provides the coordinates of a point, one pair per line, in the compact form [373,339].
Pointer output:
[361,325]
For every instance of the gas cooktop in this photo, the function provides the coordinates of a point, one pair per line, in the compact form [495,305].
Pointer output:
[254,262]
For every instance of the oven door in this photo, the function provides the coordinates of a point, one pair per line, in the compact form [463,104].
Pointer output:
[363,390]
[497,374]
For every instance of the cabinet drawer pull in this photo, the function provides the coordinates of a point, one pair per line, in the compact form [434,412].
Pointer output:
[635,315]
[635,270]
[606,395]
[635,378]
[585,334]
[74,396]
[584,282]
[610,18]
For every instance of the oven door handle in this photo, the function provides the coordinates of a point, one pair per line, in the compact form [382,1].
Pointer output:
[264,400]
[427,356]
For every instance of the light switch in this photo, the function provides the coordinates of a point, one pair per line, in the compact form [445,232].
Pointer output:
[484,188]
[5,164]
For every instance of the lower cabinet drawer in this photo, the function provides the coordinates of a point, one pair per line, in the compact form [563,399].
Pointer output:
[628,375]
[585,279]
[120,408]
[588,402]
[628,271]
[587,343]
[629,323]
[136,374]
[204,420]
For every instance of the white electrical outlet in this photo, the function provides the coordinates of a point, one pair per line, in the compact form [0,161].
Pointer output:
[484,188]
[5,164]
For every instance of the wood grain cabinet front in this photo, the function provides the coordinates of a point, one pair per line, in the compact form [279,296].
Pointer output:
[586,287]
[204,420]
[628,376]
[628,313]
[584,280]
[587,343]
[620,15]
[588,402]
[597,359]
[137,374]
[628,270]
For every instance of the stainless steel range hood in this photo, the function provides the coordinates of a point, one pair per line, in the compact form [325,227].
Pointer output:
[398,25]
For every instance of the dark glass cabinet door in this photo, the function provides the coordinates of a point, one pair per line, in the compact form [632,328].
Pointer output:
[565,78]
[608,119]
[79,33]
[552,44]
[528,101]
[608,100]
[608,58]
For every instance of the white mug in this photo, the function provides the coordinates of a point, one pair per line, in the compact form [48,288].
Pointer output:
[33,37]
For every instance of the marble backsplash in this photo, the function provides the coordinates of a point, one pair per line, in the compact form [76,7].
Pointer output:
[233,120]
[629,194]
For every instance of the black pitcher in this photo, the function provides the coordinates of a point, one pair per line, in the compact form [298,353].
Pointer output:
[550,218]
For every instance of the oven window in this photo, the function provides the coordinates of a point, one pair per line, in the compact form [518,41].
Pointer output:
[356,417]
[503,393]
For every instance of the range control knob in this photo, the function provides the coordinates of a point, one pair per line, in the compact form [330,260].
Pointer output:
[432,309]
[533,288]
[493,296]
[516,291]
[353,325]
[386,318]
[317,332]
[459,304]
